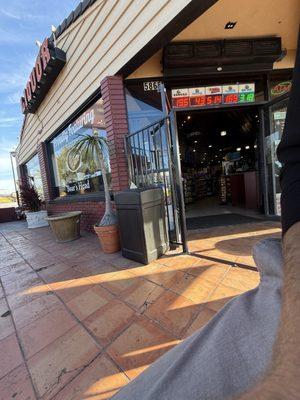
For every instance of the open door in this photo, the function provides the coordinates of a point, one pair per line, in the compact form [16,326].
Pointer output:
[153,160]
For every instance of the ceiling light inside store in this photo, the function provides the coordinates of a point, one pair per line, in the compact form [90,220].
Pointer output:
[194,150]
[195,141]
[210,146]
[189,117]
[255,146]
[238,149]
[247,147]
[223,133]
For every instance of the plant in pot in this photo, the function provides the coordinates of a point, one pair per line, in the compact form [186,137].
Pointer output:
[32,204]
[94,147]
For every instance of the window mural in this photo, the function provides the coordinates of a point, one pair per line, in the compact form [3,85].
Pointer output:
[75,171]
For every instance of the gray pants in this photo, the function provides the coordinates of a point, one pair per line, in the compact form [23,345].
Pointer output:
[229,354]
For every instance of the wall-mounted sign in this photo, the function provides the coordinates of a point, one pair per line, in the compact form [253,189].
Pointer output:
[48,65]
[151,86]
[213,95]
[281,88]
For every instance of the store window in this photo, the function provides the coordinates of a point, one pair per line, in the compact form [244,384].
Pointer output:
[143,102]
[33,174]
[277,122]
[77,171]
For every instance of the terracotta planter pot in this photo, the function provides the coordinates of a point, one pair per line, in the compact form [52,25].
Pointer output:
[108,237]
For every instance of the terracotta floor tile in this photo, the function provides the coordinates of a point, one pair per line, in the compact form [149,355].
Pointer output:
[163,276]
[142,295]
[49,273]
[11,356]
[88,302]
[6,324]
[17,268]
[119,282]
[20,299]
[141,344]
[37,308]
[95,266]
[124,263]
[105,275]
[109,321]
[55,365]
[202,319]
[144,271]
[221,296]
[207,269]
[173,312]
[199,289]
[22,284]
[17,385]
[74,288]
[99,381]
[56,281]
[242,279]
[45,330]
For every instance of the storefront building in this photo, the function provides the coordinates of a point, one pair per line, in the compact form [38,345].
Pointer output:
[210,138]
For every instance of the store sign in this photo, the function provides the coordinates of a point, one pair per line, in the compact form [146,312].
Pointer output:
[281,88]
[207,96]
[48,65]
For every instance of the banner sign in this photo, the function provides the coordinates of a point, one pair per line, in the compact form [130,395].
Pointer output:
[213,95]
[48,65]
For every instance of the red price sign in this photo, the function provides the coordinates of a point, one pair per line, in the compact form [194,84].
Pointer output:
[213,99]
[181,102]
[198,101]
[231,98]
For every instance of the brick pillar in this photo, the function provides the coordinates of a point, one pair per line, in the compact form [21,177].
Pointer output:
[45,171]
[115,116]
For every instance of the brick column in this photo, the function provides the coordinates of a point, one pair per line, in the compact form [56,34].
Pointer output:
[45,171]
[115,115]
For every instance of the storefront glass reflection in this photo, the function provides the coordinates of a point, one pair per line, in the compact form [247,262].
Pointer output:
[277,121]
[75,172]
[143,102]
[33,173]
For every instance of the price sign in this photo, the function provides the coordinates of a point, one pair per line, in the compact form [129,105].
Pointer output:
[181,102]
[209,96]
[231,98]
[246,98]
[199,101]
[213,99]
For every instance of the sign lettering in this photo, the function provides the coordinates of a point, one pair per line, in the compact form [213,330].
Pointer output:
[48,65]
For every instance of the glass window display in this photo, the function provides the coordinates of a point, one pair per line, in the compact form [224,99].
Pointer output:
[78,172]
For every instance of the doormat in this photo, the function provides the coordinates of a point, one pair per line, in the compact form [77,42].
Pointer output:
[210,221]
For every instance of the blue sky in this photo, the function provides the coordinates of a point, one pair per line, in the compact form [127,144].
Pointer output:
[22,22]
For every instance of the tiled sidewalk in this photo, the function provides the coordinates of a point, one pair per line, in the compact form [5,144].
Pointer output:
[78,324]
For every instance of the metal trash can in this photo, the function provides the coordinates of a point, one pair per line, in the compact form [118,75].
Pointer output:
[142,223]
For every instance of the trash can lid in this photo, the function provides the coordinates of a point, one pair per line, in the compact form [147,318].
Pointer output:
[139,195]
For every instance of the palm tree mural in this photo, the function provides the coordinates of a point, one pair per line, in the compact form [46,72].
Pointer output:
[93,148]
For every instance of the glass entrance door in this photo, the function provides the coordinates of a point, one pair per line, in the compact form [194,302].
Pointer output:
[277,113]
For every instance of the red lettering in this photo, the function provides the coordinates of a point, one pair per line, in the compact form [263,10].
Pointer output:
[32,80]
[25,99]
[45,53]
[38,69]
[28,91]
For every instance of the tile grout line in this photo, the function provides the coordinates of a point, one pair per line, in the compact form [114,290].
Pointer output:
[101,348]
[20,346]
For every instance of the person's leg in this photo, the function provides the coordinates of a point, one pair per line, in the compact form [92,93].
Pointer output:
[289,155]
